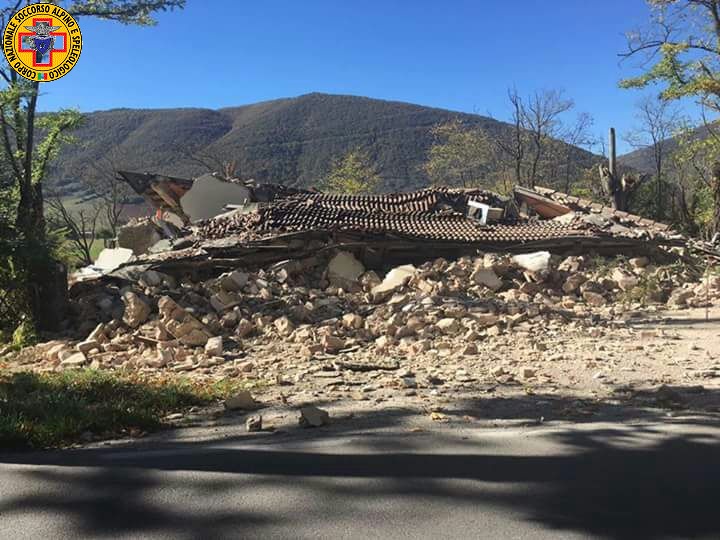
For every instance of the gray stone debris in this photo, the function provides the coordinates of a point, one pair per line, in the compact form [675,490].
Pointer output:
[533,262]
[137,310]
[332,343]
[313,417]
[284,326]
[625,280]
[241,401]
[138,236]
[214,346]
[254,423]
[327,318]
[486,277]
[75,360]
[448,326]
[395,278]
[680,297]
[181,325]
[594,299]
[344,270]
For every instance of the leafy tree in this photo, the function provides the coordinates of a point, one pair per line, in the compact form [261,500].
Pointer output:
[693,165]
[460,157]
[28,142]
[353,174]
[680,51]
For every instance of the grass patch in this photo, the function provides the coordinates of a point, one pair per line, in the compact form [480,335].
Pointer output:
[97,246]
[52,410]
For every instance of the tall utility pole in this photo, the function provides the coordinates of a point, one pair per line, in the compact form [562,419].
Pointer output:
[613,186]
[613,157]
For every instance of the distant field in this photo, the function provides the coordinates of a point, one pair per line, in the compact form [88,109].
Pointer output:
[97,246]
[76,204]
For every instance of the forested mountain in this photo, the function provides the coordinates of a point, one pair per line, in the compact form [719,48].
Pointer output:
[291,141]
[643,159]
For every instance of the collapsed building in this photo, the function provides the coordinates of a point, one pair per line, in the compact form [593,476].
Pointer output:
[223,268]
[211,225]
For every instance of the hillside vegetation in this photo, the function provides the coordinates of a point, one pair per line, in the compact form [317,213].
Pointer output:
[292,141]
[643,159]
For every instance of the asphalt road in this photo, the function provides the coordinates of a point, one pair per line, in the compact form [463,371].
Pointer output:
[645,480]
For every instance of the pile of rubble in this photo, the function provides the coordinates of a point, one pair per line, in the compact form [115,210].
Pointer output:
[293,318]
[284,287]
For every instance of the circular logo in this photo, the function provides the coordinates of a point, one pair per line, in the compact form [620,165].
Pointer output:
[42,42]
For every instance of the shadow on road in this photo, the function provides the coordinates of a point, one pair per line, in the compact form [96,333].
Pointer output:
[636,482]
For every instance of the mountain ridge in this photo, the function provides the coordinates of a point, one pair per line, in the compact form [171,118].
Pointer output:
[290,140]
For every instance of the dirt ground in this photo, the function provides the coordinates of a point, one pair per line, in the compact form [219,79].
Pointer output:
[658,366]
[632,365]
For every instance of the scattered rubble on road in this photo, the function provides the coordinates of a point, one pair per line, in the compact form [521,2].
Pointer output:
[313,417]
[241,401]
[254,423]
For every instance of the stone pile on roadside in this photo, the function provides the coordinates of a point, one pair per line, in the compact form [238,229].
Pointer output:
[318,317]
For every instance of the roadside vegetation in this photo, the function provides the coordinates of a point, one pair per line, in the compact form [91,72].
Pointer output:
[50,410]
[32,274]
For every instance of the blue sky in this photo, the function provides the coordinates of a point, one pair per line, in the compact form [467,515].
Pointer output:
[455,54]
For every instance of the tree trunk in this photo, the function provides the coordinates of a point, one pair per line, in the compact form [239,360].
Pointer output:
[716,199]
[613,178]
[30,218]
[46,278]
[612,186]
[659,206]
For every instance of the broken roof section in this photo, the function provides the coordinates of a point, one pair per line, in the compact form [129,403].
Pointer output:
[432,214]
[160,191]
[437,215]
[255,224]
[201,198]
[550,203]
[260,224]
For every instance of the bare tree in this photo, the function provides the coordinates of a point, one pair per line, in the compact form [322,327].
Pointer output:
[213,162]
[657,122]
[518,138]
[542,119]
[112,195]
[534,148]
[577,135]
[81,225]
